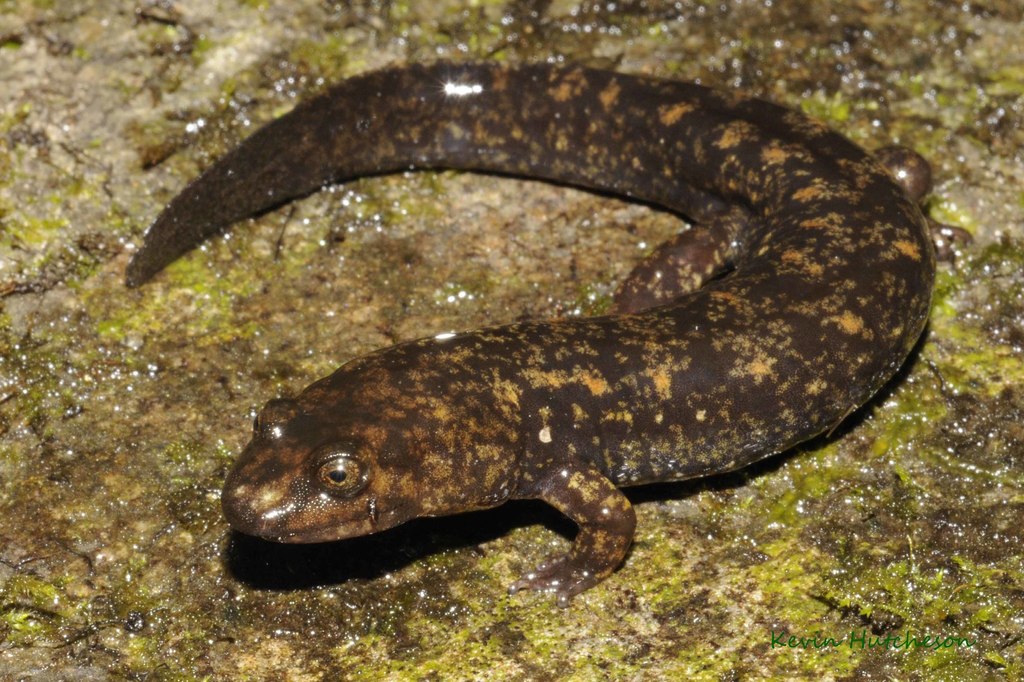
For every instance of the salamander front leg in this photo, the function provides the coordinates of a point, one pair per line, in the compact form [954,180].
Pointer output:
[606,523]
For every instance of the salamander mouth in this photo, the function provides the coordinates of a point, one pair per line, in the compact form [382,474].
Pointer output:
[289,523]
[329,533]
[289,531]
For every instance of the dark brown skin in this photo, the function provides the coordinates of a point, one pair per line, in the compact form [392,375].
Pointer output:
[828,271]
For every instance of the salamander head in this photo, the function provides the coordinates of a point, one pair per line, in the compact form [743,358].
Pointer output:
[368,449]
[301,479]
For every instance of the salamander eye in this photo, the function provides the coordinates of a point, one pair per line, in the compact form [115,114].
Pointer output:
[342,475]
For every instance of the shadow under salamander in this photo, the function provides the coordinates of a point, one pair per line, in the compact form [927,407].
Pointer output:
[277,566]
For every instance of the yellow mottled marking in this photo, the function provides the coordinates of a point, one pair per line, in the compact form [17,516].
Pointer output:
[610,94]
[773,156]
[810,193]
[759,368]
[595,382]
[562,93]
[830,220]
[585,488]
[816,387]
[908,249]
[732,135]
[507,390]
[849,322]
[730,138]
[794,257]
[569,87]
[662,379]
[671,113]
[701,415]
[619,416]
[539,378]
[725,296]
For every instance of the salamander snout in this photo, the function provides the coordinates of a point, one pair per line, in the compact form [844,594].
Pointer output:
[255,510]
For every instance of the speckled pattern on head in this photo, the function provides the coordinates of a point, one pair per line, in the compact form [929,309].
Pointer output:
[801,291]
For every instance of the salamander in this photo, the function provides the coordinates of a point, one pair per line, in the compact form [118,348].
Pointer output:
[799,292]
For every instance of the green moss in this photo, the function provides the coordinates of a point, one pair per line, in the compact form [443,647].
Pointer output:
[190,454]
[189,285]
[146,651]
[945,210]
[22,625]
[1006,81]
[202,47]
[23,5]
[328,59]
[25,231]
[158,36]
[898,588]
[592,299]
[34,371]
[811,476]
[792,581]
[32,609]
[912,414]
[971,360]
[467,289]
[154,140]
[985,589]
[902,595]
[947,284]
[824,107]
[183,454]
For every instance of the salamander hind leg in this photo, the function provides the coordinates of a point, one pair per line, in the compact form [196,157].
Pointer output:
[684,263]
[914,174]
[606,523]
